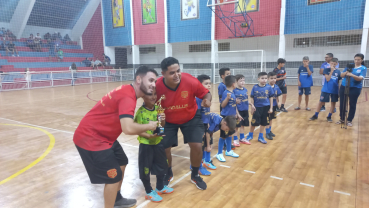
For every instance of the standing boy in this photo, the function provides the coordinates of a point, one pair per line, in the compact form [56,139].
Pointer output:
[223,72]
[272,77]
[328,57]
[281,76]
[228,109]
[262,99]
[305,81]
[151,154]
[330,89]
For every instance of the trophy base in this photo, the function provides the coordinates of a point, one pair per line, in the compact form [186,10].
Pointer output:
[159,131]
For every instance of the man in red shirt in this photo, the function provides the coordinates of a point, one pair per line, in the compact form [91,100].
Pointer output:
[180,90]
[97,134]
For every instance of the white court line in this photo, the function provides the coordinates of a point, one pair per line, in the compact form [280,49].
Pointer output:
[277,178]
[340,192]
[306,184]
[225,166]
[249,171]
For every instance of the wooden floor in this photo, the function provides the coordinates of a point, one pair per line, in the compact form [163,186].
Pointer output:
[309,164]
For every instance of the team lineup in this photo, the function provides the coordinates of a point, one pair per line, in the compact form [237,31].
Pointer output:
[187,102]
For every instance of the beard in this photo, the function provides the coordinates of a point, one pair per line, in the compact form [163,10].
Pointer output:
[144,89]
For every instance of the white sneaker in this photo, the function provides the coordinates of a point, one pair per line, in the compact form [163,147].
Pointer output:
[221,158]
[231,153]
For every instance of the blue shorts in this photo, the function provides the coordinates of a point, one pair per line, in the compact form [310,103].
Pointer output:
[324,97]
[306,89]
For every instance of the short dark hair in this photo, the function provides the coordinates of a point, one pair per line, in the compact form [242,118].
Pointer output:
[223,70]
[231,122]
[335,60]
[281,61]
[169,61]
[270,74]
[143,70]
[362,58]
[229,80]
[239,76]
[203,77]
[262,74]
[330,55]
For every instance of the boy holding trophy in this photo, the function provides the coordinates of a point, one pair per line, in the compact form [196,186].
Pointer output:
[151,156]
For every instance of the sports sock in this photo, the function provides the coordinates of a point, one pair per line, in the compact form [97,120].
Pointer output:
[207,156]
[195,171]
[159,182]
[261,135]
[270,128]
[267,130]
[119,196]
[221,143]
[329,115]
[229,143]
[251,134]
[316,114]
[282,105]
[147,185]
[235,138]
[242,136]
[203,154]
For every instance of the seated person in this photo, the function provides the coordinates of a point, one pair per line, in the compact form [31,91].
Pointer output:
[60,55]
[11,48]
[86,62]
[98,63]
[106,60]
[66,38]
[2,45]
[37,42]
[30,42]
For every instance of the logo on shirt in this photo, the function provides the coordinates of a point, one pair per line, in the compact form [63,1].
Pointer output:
[112,173]
[358,71]
[184,94]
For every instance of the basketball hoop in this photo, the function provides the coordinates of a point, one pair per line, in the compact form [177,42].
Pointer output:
[235,18]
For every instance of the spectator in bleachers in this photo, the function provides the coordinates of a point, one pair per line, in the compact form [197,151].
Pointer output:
[37,41]
[98,63]
[60,36]
[60,55]
[30,42]
[47,36]
[54,36]
[10,35]
[51,45]
[73,67]
[86,62]
[2,31]
[106,60]
[11,48]
[2,45]
[66,38]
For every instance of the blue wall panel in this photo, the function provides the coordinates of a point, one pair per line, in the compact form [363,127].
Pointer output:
[120,36]
[333,16]
[188,30]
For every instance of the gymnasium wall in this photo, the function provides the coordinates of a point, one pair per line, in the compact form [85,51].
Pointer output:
[92,37]
[120,36]
[333,16]
[148,33]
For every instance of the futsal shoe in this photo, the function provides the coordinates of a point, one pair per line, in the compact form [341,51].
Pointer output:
[209,165]
[165,190]
[203,171]
[249,138]
[200,184]
[271,133]
[262,140]
[284,110]
[154,196]
[268,136]
[232,147]
[313,118]
[231,154]
[277,109]
[329,119]
[221,158]
[244,141]
[236,144]
[322,108]
[124,202]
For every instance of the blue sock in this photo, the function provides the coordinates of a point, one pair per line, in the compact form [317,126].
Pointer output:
[203,154]
[267,130]
[316,114]
[261,135]
[221,145]
[251,134]
[329,115]
[242,135]
[270,128]
[207,156]
[235,138]
[229,143]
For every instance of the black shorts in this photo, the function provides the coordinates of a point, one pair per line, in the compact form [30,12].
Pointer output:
[274,114]
[220,108]
[245,121]
[261,116]
[283,89]
[151,159]
[192,131]
[103,167]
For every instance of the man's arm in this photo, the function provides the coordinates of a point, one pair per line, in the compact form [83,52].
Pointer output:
[321,71]
[129,127]
[206,100]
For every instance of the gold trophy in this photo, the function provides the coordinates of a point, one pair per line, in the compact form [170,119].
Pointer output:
[160,129]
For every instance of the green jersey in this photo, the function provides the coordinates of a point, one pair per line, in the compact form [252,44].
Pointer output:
[60,53]
[143,116]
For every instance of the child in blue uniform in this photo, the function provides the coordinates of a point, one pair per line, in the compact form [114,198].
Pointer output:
[330,89]
[272,78]
[262,99]
[228,109]
[305,81]
[223,72]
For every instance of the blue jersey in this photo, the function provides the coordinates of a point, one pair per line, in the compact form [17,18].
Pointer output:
[221,89]
[230,109]
[305,79]
[361,72]
[332,85]
[326,65]
[242,95]
[261,95]
[276,93]
[214,123]
[205,112]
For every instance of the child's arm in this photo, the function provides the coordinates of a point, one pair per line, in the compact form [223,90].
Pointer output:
[147,136]
[208,147]
[309,72]
[271,105]
[225,101]
[298,80]
[252,105]
[329,76]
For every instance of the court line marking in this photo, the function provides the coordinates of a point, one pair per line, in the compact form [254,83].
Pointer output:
[249,171]
[340,192]
[129,145]
[306,184]
[47,151]
[275,177]
[226,166]
[89,96]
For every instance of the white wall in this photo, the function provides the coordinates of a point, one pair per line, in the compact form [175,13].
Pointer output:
[153,58]
[181,52]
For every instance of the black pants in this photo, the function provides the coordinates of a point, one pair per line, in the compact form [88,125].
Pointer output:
[353,96]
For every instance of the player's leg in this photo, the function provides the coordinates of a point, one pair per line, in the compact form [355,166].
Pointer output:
[264,121]
[159,168]
[324,97]
[110,194]
[229,151]
[299,99]
[261,135]
[354,95]
[235,139]
[255,121]
[307,96]
[333,106]
[284,98]
[169,140]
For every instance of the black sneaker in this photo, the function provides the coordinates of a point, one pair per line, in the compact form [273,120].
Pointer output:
[200,184]
[168,178]
[277,109]
[329,119]
[125,203]
[313,118]
[271,134]
[284,110]
[268,136]
[322,108]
